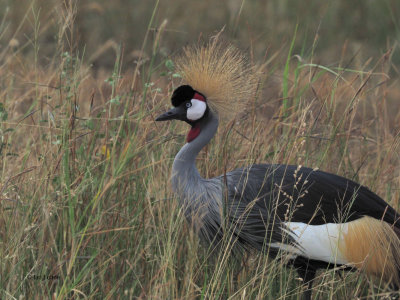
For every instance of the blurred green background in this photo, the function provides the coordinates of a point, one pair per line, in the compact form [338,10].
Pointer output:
[338,29]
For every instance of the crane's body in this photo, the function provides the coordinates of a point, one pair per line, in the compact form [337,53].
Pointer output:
[316,219]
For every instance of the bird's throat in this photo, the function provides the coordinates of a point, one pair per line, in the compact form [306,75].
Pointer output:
[193,133]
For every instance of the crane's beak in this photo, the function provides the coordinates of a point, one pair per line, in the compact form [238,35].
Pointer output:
[177,113]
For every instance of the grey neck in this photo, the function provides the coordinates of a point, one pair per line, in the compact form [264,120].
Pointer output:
[184,171]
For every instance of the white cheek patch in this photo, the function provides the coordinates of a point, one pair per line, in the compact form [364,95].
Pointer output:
[197,110]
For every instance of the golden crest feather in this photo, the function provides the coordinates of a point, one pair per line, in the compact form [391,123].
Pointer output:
[221,73]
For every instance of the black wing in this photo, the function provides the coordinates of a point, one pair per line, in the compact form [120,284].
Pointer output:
[299,194]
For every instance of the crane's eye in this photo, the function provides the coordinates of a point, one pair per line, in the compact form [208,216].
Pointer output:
[195,109]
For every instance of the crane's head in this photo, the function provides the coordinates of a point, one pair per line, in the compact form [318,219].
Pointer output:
[189,106]
[224,78]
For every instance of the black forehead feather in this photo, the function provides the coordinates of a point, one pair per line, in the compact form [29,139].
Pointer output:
[182,94]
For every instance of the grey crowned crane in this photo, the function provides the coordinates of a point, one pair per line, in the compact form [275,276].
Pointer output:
[319,220]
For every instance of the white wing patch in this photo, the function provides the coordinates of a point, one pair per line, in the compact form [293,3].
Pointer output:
[197,110]
[319,242]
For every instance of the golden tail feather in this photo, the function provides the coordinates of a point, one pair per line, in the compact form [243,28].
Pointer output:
[373,246]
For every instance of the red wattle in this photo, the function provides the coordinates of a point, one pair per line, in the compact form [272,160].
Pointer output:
[193,133]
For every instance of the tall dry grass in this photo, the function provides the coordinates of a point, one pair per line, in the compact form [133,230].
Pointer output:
[86,210]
